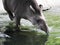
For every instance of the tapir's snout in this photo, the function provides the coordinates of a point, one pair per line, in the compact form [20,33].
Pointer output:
[43,26]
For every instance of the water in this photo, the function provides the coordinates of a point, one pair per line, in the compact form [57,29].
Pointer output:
[10,37]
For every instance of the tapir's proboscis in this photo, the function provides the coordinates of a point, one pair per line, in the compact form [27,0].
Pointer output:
[27,9]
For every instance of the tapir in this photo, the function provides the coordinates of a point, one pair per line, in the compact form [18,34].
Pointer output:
[27,9]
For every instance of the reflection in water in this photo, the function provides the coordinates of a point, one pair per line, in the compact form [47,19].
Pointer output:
[23,37]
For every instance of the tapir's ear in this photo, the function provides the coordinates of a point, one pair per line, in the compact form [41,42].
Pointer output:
[41,7]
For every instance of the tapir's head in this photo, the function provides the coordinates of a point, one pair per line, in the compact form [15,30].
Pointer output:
[40,21]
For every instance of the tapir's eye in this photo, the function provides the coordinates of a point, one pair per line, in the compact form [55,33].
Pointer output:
[38,20]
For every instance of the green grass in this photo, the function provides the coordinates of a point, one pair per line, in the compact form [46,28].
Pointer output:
[53,41]
[53,21]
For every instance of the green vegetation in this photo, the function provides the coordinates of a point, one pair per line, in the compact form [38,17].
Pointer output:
[53,21]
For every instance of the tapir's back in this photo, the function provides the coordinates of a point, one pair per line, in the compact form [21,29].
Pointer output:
[17,4]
